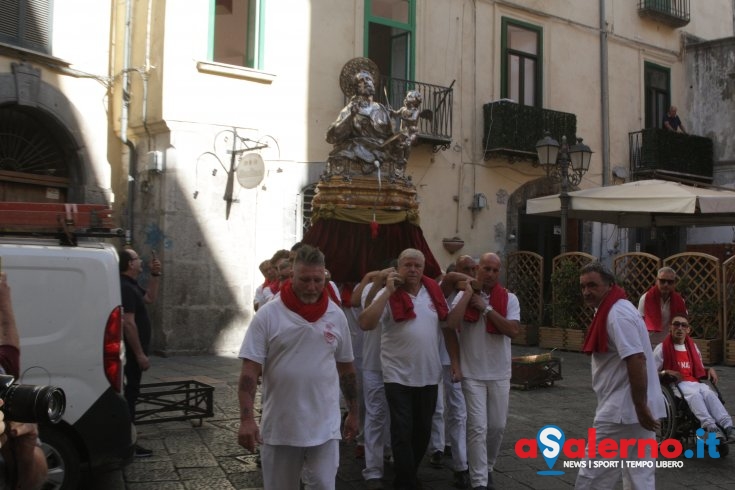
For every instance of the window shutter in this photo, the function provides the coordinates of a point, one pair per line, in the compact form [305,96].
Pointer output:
[26,24]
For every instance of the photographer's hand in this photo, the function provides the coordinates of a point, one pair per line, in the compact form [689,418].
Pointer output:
[29,457]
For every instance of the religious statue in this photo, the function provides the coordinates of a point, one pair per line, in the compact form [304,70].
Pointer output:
[367,135]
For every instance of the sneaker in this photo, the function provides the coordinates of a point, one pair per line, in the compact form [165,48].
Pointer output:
[462,479]
[435,460]
[481,487]
[717,432]
[730,433]
[141,452]
[374,484]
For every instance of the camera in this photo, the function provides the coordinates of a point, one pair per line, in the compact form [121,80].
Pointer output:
[31,403]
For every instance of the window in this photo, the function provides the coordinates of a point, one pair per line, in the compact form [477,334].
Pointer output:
[237,32]
[26,24]
[657,81]
[521,62]
[389,36]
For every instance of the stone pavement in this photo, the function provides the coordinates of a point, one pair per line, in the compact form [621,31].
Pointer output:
[208,457]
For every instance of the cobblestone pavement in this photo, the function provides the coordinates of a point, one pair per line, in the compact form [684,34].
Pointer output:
[187,456]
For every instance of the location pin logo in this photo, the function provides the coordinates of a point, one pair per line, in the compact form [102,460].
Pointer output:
[550,440]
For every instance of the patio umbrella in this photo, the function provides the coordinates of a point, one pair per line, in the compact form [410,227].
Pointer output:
[644,204]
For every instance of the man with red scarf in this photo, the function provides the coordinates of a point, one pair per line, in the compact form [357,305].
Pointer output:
[486,321]
[678,358]
[624,378]
[300,343]
[410,308]
[657,303]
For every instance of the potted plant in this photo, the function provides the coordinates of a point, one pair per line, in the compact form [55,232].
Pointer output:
[566,305]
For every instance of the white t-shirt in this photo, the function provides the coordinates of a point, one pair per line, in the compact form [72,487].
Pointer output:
[486,356]
[658,354]
[665,311]
[371,341]
[626,335]
[259,296]
[408,350]
[300,381]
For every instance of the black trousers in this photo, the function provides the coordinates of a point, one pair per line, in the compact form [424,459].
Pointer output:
[411,410]
[133,375]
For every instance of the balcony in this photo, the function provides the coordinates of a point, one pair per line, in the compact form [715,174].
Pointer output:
[435,120]
[512,129]
[665,154]
[674,13]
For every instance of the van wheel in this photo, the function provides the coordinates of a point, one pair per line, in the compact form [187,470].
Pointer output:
[62,459]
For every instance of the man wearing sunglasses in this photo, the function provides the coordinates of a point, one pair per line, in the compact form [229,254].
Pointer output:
[678,358]
[657,303]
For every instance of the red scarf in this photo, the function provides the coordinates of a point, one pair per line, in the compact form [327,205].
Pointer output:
[310,312]
[670,356]
[652,308]
[401,305]
[274,286]
[498,300]
[345,294]
[333,294]
[596,338]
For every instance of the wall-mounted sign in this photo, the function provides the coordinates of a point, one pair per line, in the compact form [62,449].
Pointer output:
[250,171]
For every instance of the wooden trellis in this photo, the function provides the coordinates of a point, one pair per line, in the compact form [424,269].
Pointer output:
[583,315]
[699,284]
[636,273]
[525,278]
[728,301]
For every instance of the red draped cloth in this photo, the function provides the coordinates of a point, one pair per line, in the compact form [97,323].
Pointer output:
[351,252]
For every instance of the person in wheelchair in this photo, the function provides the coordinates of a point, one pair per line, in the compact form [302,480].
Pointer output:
[679,360]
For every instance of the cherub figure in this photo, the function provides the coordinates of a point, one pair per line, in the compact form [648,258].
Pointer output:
[408,123]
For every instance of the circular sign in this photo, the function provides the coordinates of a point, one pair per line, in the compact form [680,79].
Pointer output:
[250,171]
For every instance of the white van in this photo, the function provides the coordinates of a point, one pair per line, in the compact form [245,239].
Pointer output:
[68,311]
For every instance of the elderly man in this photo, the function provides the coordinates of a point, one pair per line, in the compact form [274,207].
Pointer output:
[486,321]
[300,343]
[657,303]
[410,307]
[624,378]
[679,359]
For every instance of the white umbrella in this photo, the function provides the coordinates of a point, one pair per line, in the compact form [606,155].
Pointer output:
[644,203]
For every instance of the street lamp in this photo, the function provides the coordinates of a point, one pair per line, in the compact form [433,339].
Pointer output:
[566,165]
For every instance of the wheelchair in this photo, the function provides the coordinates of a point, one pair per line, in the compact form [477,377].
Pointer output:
[680,423]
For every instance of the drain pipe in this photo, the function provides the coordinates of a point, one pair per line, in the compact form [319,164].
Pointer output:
[604,108]
[124,114]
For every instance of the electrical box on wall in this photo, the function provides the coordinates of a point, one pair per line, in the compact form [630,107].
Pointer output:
[154,161]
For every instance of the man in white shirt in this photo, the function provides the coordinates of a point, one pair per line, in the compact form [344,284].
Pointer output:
[300,343]
[409,308]
[624,378]
[486,321]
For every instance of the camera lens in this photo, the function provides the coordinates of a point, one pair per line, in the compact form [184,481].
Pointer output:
[34,404]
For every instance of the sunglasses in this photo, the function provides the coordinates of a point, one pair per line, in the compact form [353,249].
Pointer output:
[680,324]
[666,281]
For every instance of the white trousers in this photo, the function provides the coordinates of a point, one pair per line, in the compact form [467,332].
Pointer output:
[705,405]
[285,466]
[376,432]
[450,421]
[639,478]
[487,413]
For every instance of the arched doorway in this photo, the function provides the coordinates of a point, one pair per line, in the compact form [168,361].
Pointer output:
[38,158]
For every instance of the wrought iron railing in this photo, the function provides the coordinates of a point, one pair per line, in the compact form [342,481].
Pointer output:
[435,121]
[660,152]
[514,129]
[671,12]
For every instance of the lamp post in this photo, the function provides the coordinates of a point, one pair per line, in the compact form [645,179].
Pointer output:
[566,165]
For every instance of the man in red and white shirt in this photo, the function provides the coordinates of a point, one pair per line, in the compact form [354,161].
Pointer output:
[679,357]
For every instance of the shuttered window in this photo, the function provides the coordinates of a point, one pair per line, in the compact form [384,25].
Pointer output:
[26,24]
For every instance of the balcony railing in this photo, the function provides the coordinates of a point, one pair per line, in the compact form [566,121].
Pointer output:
[513,130]
[663,153]
[435,120]
[674,13]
